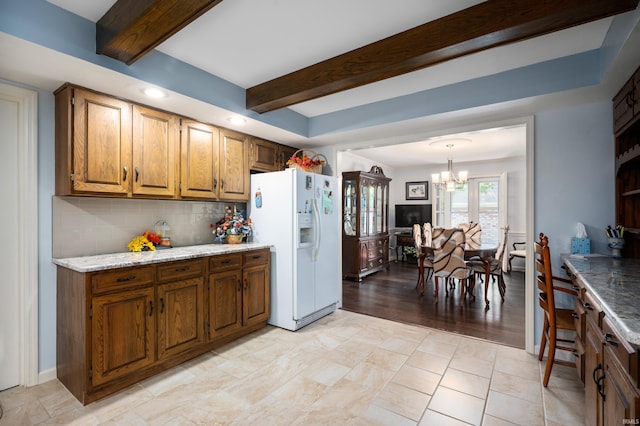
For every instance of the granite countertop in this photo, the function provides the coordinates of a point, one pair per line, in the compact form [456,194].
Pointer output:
[121,260]
[615,284]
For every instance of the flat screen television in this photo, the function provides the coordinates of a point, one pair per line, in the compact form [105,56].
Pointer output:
[409,214]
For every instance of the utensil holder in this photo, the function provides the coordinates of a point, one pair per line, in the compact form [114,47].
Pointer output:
[616,245]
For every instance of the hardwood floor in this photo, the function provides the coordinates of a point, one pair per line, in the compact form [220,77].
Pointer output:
[392,295]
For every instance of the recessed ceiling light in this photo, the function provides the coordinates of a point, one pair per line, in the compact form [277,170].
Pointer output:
[236,120]
[152,92]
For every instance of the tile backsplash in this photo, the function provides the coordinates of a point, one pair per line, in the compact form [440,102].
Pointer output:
[85,226]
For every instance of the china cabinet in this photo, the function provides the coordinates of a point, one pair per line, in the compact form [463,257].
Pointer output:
[626,127]
[365,229]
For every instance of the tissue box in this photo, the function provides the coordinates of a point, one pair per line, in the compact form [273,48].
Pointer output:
[580,245]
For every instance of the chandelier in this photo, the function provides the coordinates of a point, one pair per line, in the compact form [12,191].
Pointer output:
[448,179]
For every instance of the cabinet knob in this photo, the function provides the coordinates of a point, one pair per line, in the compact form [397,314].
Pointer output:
[150,308]
[137,173]
[588,306]
[608,339]
[124,173]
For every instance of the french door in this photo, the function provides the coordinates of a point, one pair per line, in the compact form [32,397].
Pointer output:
[481,200]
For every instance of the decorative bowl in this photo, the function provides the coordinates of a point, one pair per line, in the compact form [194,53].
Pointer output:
[234,238]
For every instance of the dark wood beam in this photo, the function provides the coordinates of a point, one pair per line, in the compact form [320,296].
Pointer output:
[132,28]
[484,26]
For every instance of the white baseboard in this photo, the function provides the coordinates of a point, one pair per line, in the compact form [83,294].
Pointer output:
[47,375]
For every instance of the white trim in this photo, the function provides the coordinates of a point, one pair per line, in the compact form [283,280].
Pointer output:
[27,181]
[529,329]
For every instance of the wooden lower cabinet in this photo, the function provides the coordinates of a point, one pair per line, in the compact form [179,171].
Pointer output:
[123,334]
[119,326]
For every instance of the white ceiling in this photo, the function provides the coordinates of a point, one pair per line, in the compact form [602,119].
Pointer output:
[248,42]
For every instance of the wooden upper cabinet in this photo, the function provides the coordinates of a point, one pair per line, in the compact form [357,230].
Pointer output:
[155,142]
[264,155]
[285,152]
[200,144]
[93,143]
[234,166]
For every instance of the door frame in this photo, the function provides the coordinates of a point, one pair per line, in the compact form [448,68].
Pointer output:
[27,181]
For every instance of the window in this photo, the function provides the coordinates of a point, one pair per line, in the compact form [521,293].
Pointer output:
[479,200]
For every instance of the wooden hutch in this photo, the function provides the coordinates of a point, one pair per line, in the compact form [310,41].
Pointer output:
[626,127]
[365,229]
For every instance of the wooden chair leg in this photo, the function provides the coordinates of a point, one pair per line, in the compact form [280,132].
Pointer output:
[550,357]
[543,340]
[463,285]
[435,284]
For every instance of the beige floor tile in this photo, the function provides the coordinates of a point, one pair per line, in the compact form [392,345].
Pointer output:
[433,418]
[300,391]
[400,345]
[428,362]
[508,384]
[472,365]
[465,382]
[325,371]
[515,368]
[443,349]
[458,405]
[402,400]
[370,375]
[418,379]
[564,406]
[494,421]
[387,359]
[379,416]
[514,409]
[271,411]
[476,348]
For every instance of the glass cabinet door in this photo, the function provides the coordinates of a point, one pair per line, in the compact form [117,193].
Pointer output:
[350,208]
[372,208]
[364,208]
[379,210]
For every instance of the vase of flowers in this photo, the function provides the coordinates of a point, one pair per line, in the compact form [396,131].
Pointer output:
[232,228]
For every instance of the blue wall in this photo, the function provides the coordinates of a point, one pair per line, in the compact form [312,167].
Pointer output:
[574,179]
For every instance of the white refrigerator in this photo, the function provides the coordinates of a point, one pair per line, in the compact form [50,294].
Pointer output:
[299,214]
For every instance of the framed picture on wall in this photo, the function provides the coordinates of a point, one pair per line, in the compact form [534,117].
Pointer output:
[417,190]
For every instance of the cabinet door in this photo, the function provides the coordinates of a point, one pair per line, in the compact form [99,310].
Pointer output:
[234,168]
[123,334]
[199,145]
[256,295]
[180,316]
[225,303]
[155,136]
[622,398]
[101,144]
[594,370]
[284,153]
[264,155]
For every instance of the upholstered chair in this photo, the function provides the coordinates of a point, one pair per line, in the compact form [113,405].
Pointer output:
[427,261]
[473,234]
[496,265]
[448,260]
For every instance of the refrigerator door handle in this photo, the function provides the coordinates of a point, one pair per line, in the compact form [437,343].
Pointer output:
[317,231]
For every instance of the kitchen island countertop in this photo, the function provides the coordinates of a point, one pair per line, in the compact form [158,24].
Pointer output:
[615,284]
[126,259]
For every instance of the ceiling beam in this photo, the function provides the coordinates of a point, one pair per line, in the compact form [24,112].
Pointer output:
[483,26]
[132,28]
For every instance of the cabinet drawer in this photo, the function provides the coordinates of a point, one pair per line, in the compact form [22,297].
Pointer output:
[376,251]
[224,262]
[592,309]
[178,270]
[375,263]
[121,278]
[623,351]
[579,317]
[257,257]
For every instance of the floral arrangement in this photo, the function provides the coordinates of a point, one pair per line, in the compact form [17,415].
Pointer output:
[305,162]
[232,224]
[144,242]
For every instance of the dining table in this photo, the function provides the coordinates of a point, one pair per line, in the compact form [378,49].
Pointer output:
[485,252]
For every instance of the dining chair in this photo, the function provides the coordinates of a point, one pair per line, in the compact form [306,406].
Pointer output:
[417,243]
[517,252]
[427,261]
[496,265]
[554,318]
[448,260]
[473,234]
